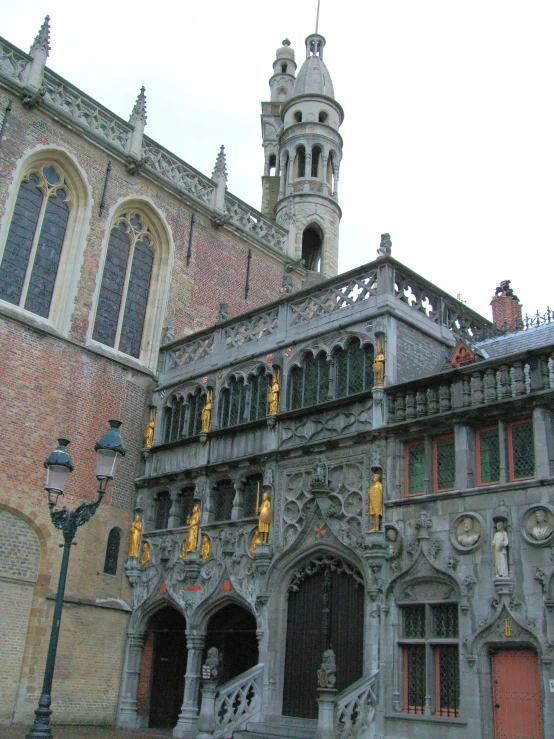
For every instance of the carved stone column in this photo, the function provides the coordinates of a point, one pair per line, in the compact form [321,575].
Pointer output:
[238,504]
[326,702]
[187,725]
[206,719]
[128,717]
[175,510]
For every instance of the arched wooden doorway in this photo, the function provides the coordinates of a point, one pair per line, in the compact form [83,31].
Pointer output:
[232,630]
[169,661]
[325,611]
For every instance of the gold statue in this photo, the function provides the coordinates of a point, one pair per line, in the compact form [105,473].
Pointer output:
[134,537]
[206,415]
[149,430]
[375,494]
[256,539]
[145,557]
[265,517]
[193,521]
[379,367]
[205,548]
[273,393]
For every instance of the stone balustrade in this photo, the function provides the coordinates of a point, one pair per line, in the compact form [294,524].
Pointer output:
[355,708]
[236,703]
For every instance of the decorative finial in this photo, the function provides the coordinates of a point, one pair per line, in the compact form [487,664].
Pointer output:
[139,109]
[220,169]
[42,39]
[286,42]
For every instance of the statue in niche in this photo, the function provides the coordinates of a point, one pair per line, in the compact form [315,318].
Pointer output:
[145,556]
[206,415]
[500,550]
[134,537]
[210,668]
[265,518]
[327,673]
[379,366]
[320,473]
[205,548]
[149,430]
[467,535]
[273,393]
[193,521]
[375,494]
[538,525]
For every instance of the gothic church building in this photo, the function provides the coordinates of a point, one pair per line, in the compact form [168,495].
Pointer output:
[335,516]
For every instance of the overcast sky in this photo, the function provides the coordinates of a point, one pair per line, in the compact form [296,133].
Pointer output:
[449,114]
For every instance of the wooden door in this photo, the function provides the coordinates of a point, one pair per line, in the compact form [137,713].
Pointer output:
[516,694]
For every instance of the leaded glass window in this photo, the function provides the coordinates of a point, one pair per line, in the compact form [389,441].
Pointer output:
[112,552]
[186,500]
[444,463]
[415,468]
[195,405]
[259,386]
[250,495]
[309,385]
[233,403]
[174,419]
[353,369]
[125,285]
[163,506]
[488,456]
[223,497]
[522,450]
[35,239]
[431,662]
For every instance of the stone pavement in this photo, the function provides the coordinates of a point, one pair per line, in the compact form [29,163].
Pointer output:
[84,732]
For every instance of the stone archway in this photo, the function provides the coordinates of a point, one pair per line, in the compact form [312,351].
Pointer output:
[325,611]
[232,629]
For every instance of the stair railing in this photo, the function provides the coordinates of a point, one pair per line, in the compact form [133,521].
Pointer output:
[355,709]
[236,703]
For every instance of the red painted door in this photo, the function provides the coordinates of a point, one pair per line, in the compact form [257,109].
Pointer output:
[516,694]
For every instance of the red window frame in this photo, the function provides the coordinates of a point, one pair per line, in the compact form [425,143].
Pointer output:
[478,454]
[405,652]
[436,439]
[509,427]
[406,468]
[450,712]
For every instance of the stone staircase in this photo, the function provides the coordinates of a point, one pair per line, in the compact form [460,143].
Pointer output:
[279,727]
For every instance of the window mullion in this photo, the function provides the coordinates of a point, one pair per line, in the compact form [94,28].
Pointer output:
[34,248]
[124,293]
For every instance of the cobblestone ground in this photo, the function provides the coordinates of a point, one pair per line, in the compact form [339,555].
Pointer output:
[84,732]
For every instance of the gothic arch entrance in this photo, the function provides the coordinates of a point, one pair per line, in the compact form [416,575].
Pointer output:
[232,630]
[167,642]
[325,611]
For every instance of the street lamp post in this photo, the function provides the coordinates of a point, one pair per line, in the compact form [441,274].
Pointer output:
[109,451]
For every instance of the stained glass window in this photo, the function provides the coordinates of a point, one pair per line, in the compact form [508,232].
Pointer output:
[196,402]
[223,497]
[123,299]
[35,239]
[353,369]
[112,552]
[309,385]
[522,450]
[415,468]
[489,456]
[444,463]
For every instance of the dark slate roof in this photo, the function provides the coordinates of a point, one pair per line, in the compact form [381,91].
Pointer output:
[530,338]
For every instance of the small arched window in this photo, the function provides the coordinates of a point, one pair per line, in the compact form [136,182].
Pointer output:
[272,165]
[316,157]
[353,369]
[259,386]
[284,68]
[311,248]
[233,403]
[112,552]
[163,506]
[33,249]
[300,162]
[309,384]
[298,116]
[323,116]
[125,285]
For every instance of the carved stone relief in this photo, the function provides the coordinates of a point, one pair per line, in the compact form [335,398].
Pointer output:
[327,425]
[466,532]
[537,525]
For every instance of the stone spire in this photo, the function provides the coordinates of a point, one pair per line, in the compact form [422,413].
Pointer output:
[42,39]
[220,169]
[139,109]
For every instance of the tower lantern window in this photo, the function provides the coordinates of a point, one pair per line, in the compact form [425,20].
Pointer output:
[298,116]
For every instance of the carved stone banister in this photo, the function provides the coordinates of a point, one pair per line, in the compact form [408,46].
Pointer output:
[355,707]
[238,702]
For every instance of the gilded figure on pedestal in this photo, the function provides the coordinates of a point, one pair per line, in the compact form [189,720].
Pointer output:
[205,548]
[134,537]
[273,393]
[375,494]
[193,521]
[145,556]
[206,415]
[149,430]
[379,366]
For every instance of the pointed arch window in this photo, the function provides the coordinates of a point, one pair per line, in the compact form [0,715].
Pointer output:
[259,386]
[353,369]
[309,384]
[233,403]
[32,253]
[195,405]
[112,552]
[125,284]
[173,419]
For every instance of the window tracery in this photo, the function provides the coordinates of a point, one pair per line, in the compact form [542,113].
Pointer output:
[353,369]
[125,287]
[33,249]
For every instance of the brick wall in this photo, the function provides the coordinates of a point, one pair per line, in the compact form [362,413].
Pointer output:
[418,355]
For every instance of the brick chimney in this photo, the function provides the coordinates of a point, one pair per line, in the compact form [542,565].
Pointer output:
[506,308]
